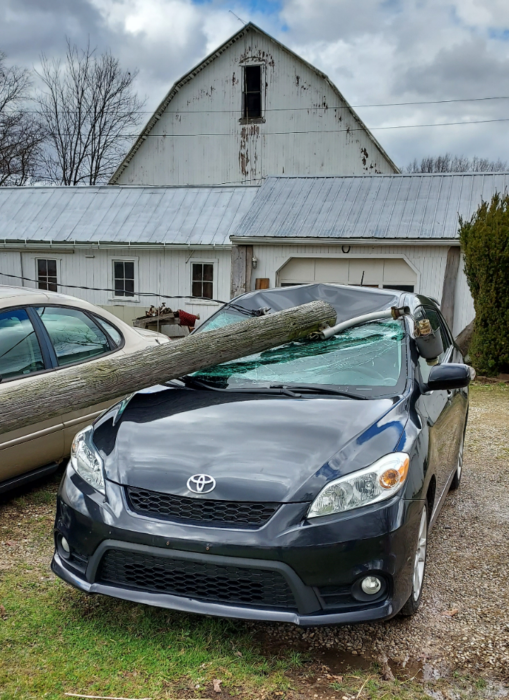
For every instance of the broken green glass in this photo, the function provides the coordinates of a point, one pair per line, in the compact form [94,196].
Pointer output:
[366,355]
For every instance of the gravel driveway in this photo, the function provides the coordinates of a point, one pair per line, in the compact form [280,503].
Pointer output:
[463,623]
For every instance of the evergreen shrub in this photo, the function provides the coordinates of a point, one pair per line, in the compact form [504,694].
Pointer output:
[485,244]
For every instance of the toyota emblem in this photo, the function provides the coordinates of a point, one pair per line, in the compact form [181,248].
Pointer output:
[201,483]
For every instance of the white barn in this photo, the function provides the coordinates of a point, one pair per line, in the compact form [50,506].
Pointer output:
[397,231]
[252,108]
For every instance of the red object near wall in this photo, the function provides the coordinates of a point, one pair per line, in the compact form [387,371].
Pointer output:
[187,319]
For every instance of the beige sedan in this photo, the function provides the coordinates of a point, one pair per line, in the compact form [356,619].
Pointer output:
[42,332]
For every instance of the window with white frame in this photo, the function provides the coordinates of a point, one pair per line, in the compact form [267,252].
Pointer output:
[202,279]
[252,98]
[123,278]
[47,274]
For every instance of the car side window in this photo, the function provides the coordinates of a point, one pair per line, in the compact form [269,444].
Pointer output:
[20,353]
[436,323]
[74,336]
[114,334]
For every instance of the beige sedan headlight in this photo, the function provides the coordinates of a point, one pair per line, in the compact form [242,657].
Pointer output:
[86,461]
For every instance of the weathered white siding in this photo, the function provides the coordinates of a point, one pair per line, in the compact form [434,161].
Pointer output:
[427,261]
[164,272]
[464,311]
[307,127]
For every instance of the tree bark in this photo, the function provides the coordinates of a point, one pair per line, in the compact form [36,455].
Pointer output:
[54,394]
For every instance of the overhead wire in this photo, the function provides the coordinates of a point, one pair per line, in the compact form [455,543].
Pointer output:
[314,131]
[136,294]
[313,107]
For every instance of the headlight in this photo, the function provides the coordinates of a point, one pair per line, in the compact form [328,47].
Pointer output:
[85,459]
[381,480]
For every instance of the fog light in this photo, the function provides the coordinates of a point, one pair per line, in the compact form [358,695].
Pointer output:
[371,585]
[66,547]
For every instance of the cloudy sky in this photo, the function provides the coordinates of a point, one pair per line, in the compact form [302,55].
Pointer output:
[376,51]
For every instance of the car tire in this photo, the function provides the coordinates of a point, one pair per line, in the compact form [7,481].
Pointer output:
[459,468]
[419,566]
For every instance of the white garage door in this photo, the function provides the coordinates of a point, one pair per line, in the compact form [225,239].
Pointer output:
[393,273]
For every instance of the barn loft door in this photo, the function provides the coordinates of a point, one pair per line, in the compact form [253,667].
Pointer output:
[370,272]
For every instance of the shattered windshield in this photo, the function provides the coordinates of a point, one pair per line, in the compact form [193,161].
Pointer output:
[369,356]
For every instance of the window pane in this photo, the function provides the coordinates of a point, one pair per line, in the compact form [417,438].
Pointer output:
[119,287]
[74,335]
[119,269]
[20,353]
[253,105]
[197,271]
[208,273]
[129,270]
[114,334]
[47,274]
[129,288]
[207,290]
[252,82]
[197,289]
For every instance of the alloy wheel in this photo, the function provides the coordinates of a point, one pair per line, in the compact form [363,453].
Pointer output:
[460,461]
[420,555]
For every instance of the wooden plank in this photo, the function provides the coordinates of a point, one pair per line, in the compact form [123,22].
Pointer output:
[449,288]
[238,271]
[47,396]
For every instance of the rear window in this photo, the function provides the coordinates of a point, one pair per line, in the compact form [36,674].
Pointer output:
[75,337]
[20,353]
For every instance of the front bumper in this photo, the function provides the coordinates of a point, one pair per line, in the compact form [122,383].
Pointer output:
[319,563]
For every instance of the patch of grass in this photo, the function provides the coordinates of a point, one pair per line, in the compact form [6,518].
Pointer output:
[55,639]
[480,388]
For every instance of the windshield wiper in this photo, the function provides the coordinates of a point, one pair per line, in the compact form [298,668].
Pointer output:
[318,389]
[203,384]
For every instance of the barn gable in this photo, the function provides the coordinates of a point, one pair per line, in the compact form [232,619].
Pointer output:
[201,133]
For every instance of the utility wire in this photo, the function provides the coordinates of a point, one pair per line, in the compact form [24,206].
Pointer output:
[297,109]
[317,131]
[137,294]
[313,131]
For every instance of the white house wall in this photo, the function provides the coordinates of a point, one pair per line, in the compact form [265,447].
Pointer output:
[464,311]
[164,272]
[307,129]
[428,262]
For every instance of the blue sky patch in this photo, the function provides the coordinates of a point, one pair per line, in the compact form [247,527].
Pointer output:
[500,34]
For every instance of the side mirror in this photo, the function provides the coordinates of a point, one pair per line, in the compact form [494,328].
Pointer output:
[449,376]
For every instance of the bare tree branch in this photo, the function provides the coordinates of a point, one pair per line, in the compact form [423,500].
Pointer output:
[89,110]
[21,133]
[455,164]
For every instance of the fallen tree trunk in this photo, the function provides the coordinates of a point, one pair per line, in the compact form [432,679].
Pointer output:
[75,388]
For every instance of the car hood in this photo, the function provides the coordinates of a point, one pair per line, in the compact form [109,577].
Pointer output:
[257,447]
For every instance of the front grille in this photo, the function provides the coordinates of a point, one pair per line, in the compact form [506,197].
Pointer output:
[202,581]
[199,510]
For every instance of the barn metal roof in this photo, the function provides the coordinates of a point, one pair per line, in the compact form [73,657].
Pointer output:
[374,206]
[109,214]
